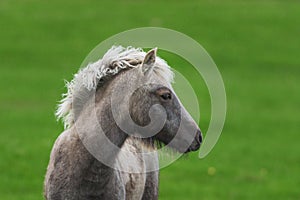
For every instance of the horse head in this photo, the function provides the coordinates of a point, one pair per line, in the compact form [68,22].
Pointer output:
[155,111]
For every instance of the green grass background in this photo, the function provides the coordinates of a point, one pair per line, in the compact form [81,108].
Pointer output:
[254,43]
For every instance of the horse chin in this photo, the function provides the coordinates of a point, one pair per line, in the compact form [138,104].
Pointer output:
[178,145]
[194,147]
[190,149]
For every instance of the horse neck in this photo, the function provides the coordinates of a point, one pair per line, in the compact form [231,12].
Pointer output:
[105,116]
[96,127]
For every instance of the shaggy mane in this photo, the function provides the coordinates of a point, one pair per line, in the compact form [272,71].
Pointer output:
[114,60]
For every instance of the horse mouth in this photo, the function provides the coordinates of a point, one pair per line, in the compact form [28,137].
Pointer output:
[196,143]
[181,145]
[193,148]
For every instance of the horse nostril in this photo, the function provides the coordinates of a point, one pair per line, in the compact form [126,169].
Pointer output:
[199,134]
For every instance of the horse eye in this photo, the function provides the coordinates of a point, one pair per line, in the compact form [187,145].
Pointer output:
[166,96]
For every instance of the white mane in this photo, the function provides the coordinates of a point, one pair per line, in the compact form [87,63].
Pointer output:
[88,77]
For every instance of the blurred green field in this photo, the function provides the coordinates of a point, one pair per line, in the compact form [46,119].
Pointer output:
[254,43]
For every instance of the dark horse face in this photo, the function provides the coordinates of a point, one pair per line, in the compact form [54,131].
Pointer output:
[179,130]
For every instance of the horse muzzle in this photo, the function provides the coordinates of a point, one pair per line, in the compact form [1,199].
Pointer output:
[196,143]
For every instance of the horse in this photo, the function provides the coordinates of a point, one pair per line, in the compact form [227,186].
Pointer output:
[117,111]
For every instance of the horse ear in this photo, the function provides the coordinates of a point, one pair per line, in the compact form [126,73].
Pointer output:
[149,61]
